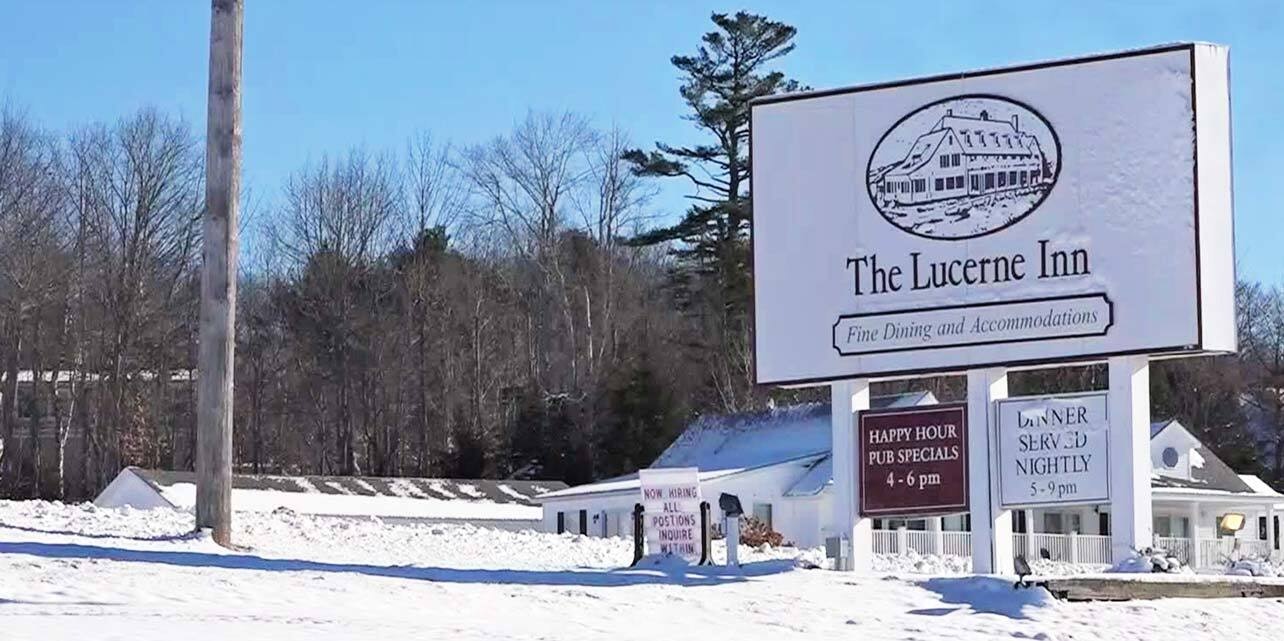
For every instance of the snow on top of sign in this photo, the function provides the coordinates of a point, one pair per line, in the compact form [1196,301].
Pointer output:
[626,483]
[823,92]
[754,439]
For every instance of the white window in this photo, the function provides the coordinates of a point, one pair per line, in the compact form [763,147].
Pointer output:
[1052,523]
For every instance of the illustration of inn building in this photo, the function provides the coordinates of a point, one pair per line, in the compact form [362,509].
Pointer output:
[963,156]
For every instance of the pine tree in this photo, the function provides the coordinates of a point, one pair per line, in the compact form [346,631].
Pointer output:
[727,72]
[720,81]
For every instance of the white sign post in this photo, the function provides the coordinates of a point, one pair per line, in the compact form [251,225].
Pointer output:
[847,398]
[1062,212]
[991,524]
[1053,450]
[671,500]
[1131,509]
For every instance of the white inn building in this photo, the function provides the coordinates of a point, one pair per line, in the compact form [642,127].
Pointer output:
[778,463]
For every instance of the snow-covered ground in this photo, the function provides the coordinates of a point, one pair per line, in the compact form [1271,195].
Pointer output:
[75,572]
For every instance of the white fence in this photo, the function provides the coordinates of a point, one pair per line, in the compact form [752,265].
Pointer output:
[1218,551]
[1069,548]
[1176,546]
[903,540]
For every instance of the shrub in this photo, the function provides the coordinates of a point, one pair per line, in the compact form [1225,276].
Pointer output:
[754,532]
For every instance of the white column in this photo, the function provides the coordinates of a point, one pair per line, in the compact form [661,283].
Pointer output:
[1030,551]
[1193,533]
[733,541]
[991,527]
[1087,521]
[847,398]
[1270,532]
[1130,501]
[935,526]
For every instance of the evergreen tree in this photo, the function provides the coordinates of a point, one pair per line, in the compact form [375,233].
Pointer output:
[642,420]
[727,72]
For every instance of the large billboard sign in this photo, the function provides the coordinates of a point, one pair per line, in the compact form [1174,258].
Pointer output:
[1062,211]
[913,461]
[671,504]
[1053,450]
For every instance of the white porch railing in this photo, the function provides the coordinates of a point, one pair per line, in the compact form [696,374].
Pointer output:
[1176,546]
[1068,548]
[1217,551]
[903,540]
[958,543]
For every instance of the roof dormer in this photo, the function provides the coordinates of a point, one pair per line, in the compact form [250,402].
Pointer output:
[1173,450]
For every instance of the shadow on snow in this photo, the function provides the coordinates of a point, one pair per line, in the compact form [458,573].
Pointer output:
[984,594]
[687,576]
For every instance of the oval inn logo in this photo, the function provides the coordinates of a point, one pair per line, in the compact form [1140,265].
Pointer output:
[964,167]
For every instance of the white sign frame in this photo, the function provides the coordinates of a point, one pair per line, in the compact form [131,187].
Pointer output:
[1101,493]
[797,343]
[685,508]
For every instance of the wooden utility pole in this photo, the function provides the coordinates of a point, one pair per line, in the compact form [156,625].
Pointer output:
[218,274]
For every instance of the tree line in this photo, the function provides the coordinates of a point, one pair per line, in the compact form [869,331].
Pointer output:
[509,307]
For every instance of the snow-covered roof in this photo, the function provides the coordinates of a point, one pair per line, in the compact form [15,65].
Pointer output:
[521,492]
[724,445]
[1258,485]
[411,498]
[818,477]
[754,439]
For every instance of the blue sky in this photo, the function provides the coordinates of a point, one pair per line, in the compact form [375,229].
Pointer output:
[322,76]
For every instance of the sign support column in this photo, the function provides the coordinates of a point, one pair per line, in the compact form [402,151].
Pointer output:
[846,399]
[991,526]
[1130,508]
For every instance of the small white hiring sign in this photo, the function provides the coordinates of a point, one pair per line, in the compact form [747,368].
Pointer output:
[671,498]
[1053,450]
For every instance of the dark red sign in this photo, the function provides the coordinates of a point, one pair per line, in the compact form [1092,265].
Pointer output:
[913,461]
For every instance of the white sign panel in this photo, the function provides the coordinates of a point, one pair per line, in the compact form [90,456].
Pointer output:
[671,498]
[1053,450]
[1062,211]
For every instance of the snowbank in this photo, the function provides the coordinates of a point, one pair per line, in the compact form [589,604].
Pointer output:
[76,572]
